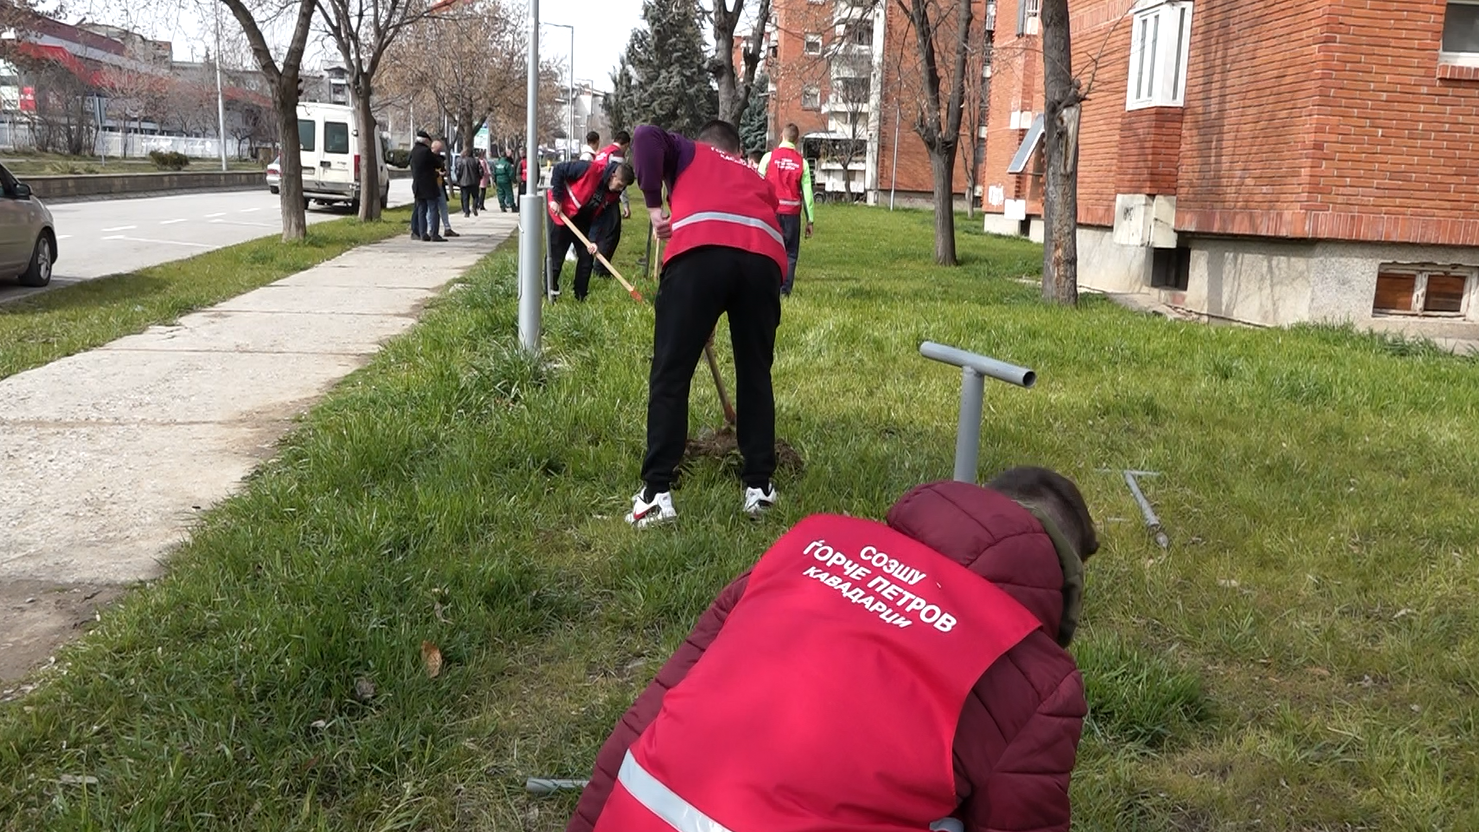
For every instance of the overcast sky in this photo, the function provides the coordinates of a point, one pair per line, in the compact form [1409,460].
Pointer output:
[602,28]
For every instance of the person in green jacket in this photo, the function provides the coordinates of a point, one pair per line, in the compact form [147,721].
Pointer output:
[503,177]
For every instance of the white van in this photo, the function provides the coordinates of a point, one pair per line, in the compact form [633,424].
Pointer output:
[328,136]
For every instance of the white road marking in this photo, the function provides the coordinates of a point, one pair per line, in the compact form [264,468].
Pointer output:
[166,242]
[64,236]
[121,228]
[249,210]
[222,214]
[244,222]
[172,222]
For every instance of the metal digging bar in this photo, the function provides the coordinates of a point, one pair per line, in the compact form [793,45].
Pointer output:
[547,786]
[975,369]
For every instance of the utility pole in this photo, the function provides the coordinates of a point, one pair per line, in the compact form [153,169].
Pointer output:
[531,207]
[570,137]
[220,97]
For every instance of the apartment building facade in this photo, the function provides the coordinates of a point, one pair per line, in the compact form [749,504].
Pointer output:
[1271,163]
[846,73]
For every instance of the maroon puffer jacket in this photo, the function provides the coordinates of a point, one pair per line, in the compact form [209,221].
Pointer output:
[1018,733]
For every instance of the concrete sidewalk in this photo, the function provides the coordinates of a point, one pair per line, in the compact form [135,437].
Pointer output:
[108,456]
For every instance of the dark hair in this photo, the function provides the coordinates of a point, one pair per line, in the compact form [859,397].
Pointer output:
[791,133]
[621,137]
[592,137]
[757,155]
[1057,497]
[625,173]
[721,134]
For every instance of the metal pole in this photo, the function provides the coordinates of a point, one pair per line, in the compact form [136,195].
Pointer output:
[220,97]
[968,432]
[893,176]
[571,139]
[975,369]
[531,212]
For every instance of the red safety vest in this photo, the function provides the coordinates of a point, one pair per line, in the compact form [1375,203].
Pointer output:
[580,191]
[719,201]
[784,173]
[830,698]
[603,156]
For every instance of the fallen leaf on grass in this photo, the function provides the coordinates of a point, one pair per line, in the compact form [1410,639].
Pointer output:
[432,657]
[437,608]
[74,780]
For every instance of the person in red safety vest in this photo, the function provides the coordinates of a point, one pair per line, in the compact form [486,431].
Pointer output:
[582,192]
[724,255]
[872,677]
[787,170]
[606,233]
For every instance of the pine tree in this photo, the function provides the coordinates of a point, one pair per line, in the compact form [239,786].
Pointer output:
[667,81]
[754,123]
[620,103]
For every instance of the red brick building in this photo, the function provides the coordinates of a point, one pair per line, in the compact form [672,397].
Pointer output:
[846,73]
[1269,162]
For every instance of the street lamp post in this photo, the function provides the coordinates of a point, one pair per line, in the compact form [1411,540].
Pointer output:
[531,209]
[571,136]
[220,97]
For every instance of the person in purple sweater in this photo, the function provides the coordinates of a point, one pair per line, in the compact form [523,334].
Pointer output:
[725,255]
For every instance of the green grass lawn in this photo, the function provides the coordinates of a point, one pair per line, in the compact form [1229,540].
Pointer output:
[1304,657]
[41,328]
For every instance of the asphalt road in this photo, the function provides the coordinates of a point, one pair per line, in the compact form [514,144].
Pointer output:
[117,236]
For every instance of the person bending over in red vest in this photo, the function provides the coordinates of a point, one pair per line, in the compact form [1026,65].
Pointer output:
[583,191]
[872,677]
[724,255]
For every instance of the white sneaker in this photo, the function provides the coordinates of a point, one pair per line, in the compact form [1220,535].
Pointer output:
[659,510]
[758,500]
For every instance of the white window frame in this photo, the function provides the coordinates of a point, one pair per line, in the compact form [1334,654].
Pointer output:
[811,89]
[1456,58]
[808,39]
[1420,291]
[1160,40]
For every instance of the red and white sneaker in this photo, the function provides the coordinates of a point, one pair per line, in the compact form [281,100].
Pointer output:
[651,512]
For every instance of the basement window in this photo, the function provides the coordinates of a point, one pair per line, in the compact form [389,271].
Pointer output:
[1426,291]
[1170,268]
[1159,43]
[1461,33]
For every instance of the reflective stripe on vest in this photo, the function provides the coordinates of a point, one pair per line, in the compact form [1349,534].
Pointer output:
[663,801]
[720,216]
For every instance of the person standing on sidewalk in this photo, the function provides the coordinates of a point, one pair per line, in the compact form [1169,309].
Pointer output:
[787,170]
[503,180]
[443,173]
[487,176]
[725,255]
[424,189]
[469,176]
[581,191]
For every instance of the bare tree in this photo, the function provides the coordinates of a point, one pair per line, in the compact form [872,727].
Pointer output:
[364,31]
[736,84]
[134,92]
[977,94]
[938,26]
[478,76]
[282,80]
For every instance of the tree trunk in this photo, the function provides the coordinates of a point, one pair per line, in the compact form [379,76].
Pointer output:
[942,164]
[1060,152]
[290,189]
[369,166]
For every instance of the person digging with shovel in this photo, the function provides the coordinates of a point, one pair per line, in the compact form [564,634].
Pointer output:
[872,677]
[581,192]
[724,255]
